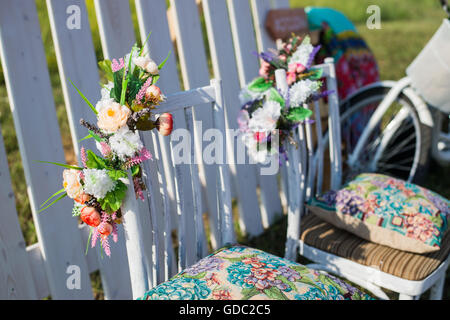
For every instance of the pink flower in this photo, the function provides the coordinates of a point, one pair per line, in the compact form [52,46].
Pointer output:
[264,70]
[291,77]
[296,67]
[221,295]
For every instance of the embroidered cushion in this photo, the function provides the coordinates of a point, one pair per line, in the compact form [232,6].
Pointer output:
[242,273]
[387,211]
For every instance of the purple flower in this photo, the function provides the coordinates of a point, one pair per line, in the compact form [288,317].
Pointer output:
[206,264]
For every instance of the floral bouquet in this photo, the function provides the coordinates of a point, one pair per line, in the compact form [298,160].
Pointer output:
[268,116]
[99,187]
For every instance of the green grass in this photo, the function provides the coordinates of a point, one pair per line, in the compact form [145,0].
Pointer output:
[406,26]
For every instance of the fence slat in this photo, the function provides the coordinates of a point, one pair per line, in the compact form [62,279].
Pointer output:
[33,109]
[224,66]
[16,281]
[194,68]
[247,62]
[77,62]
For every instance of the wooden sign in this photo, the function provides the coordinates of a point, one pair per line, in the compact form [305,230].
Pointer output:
[281,23]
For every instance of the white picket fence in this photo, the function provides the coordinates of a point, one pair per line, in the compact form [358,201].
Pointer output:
[234,29]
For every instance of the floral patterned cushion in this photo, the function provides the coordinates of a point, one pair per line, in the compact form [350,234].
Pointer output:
[387,211]
[242,273]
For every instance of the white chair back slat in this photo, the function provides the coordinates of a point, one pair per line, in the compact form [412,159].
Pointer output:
[194,69]
[169,266]
[334,127]
[224,66]
[77,62]
[247,63]
[33,109]
[316,167]
[16,281]
[117,37]
[197,214]
[223,174]
[152,18]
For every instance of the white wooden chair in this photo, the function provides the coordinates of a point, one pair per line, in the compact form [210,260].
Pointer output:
[340,252]
[145,271]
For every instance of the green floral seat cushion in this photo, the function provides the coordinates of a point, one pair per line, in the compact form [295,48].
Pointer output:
[242,273]
[387,211]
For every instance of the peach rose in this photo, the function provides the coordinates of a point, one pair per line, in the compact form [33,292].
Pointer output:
[153,94]
[112,117]
[71,183]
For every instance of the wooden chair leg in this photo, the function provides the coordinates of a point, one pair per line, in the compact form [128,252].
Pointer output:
[438,288]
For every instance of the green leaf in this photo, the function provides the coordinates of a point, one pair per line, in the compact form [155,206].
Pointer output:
[61,165]
[89,136]
[316,74]
[161,65]
[298,114]
[135,170]
[310,282]
[93,161]
[117,174]
[274,95]
[116,91]
[113,199]
[143,45]
[155,79]
[240,258]
[260,85]
[105,65]
[84,98]
[55,201]
[330,282]
[247,293]
[201,275]
[89,240]
[134,85]
[95,136]
[53,195]
[125,81]
[275,294]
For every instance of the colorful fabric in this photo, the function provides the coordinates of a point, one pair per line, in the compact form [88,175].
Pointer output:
[242,273]
[387,211]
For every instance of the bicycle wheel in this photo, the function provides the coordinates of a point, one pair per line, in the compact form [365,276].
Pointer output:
[399,144]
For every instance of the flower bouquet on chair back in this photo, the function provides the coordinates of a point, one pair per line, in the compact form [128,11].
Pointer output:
[99,186]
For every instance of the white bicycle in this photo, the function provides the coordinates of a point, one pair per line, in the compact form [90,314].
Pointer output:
[392,126]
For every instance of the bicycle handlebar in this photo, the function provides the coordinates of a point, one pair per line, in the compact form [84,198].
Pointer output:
[444,4]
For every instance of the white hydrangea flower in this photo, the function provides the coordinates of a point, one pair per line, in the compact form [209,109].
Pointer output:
[303,52]
[125,143]
[106,91]
[127,59]
[301,91]
[97,182]
[104,102]
[265,118]
[257,151]
[246,95]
